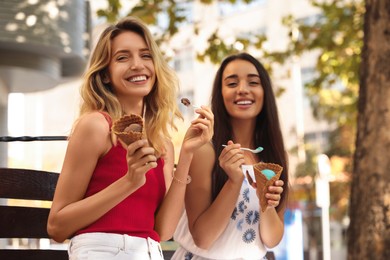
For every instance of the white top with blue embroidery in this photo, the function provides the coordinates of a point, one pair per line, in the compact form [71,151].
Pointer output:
[241,238]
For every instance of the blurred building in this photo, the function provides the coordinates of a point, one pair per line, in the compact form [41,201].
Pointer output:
[42,44]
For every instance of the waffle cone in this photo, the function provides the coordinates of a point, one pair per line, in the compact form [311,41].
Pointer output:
[263,183]
[128,136]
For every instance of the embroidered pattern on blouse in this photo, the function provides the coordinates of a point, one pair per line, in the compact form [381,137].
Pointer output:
[243,217]
[252,217]
[249,236]
[188,256]
[239,224]
[241,206]
[245,194]
[234,214]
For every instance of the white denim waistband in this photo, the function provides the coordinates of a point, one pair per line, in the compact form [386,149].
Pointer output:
[123,242]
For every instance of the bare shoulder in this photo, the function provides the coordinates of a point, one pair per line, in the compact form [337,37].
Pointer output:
[91,130]
[93,121]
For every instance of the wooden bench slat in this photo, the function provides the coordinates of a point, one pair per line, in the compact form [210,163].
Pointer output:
[31,254]
[23,222]
[27,184]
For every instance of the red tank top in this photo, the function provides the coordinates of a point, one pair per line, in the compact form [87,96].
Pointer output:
[133,216]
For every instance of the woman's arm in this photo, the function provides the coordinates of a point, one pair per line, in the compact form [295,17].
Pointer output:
[172,207]
[70,211]
[272,222]
[170,211]
[208,219]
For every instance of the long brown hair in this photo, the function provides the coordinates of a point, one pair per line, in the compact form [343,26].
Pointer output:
[267,132]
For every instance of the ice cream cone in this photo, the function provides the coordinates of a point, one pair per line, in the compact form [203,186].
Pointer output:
[129,128]
[263,182]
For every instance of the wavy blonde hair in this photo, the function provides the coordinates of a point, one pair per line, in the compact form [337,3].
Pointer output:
[160,107]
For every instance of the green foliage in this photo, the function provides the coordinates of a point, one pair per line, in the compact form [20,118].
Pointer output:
[149,12]
[309,166]
[172,10]
[112,12]
[337,35]
[341,141]
[218,49]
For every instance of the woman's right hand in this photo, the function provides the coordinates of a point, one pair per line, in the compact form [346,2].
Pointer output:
[231,159]
[140,159]
[201,130]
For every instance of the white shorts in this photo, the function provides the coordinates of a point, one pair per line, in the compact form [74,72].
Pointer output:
[106,246]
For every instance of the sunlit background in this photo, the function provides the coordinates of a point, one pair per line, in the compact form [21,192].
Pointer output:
[40,80]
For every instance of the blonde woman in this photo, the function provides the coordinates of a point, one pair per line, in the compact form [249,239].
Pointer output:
[116,201]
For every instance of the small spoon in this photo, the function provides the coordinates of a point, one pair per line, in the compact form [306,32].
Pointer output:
[187,103]
[257,150]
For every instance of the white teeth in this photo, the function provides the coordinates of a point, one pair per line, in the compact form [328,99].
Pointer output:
[137,78]
[244,102]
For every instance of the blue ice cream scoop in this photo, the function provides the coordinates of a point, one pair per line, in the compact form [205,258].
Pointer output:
[268,173]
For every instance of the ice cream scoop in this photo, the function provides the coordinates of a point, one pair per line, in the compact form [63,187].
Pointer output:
[268,173]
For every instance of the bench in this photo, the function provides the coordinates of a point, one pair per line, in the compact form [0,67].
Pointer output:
[27,221]
[30,221]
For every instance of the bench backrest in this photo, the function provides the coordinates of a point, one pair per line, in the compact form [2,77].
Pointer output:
[26,221]
[30,222]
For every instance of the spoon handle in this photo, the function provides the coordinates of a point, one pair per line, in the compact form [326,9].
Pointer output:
[246,149]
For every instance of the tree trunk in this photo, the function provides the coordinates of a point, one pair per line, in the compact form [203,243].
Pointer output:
[369,230]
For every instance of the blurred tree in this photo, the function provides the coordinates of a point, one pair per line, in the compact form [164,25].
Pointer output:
[369,232]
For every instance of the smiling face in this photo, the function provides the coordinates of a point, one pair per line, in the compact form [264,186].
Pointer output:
[242,92]
[131,68]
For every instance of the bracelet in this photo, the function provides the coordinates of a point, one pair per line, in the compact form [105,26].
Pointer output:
[189,179]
